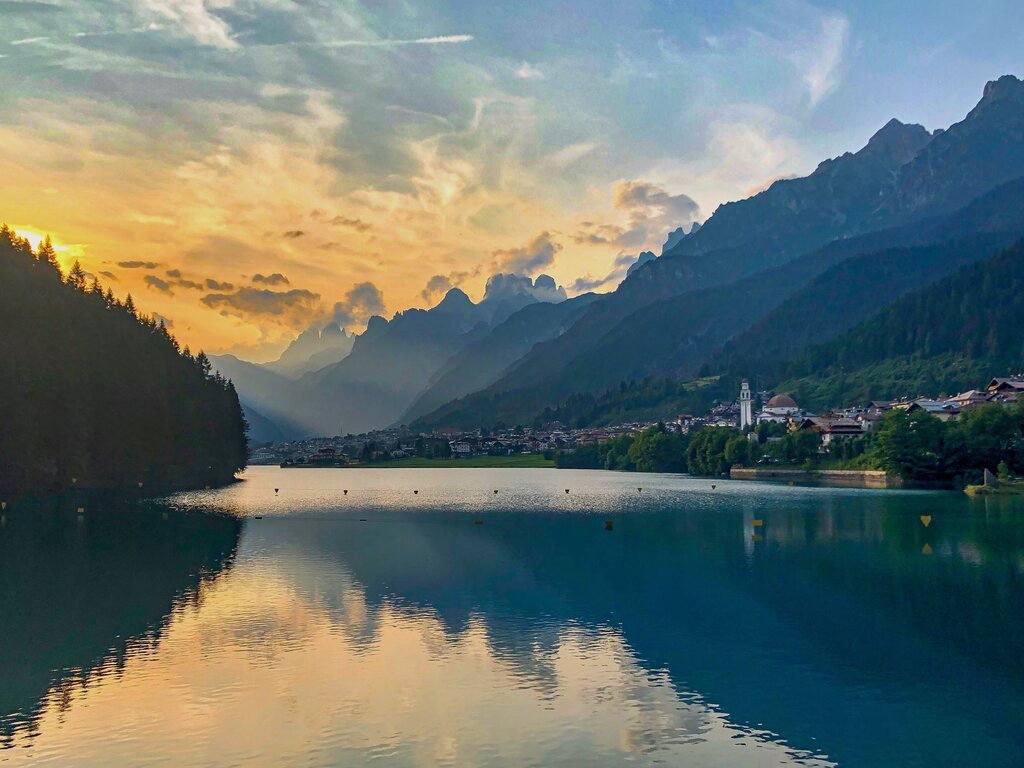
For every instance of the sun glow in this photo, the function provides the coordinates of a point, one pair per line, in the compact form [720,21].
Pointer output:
[66,253]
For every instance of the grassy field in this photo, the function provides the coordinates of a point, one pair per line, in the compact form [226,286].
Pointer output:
[520,461]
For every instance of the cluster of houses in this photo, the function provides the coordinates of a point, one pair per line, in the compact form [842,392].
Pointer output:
[385,445]
[855,421]
[393,444]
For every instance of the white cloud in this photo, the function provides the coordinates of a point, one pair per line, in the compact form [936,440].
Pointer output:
[527,71]
[381,43]
[196,19]
[823,60]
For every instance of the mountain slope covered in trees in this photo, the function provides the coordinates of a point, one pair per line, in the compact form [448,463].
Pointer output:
[949,336]
[94,395]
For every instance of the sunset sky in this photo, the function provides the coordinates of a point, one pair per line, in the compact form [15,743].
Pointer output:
[249,167]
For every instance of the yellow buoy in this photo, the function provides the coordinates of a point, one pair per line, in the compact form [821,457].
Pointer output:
[926,520]
[926,549]
[757,523]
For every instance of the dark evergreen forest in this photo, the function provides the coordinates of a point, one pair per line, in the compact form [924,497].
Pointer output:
[95,395]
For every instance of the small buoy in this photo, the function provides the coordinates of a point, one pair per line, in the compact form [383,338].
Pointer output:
[415,492]
[3,505]
[713,486]
[140,484]
[756,537]
[757,523]
[639,490]
[259,517]
[566,490]
[926,520]
[276,490]
[346,491]
[478,522]
[81,510]
[926,549]
[495,492]
[609,525]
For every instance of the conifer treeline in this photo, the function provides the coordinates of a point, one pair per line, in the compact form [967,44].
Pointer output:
[95,395]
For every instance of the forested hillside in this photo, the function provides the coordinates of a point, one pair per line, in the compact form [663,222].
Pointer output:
[948,336]
[94,395]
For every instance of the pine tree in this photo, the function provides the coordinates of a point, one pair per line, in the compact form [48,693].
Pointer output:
[76,277]
[47,254]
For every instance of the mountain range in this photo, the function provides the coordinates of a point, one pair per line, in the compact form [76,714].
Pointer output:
[794,266]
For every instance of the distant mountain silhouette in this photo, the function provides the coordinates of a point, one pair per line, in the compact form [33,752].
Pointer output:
[376,380]
[482,361]
[313,349]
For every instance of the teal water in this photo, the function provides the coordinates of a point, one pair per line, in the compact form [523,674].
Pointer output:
[745,625]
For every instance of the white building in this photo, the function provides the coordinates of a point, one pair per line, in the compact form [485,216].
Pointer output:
[746,406]
[779,410]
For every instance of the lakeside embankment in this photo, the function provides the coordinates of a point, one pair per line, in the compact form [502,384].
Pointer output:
[849,478]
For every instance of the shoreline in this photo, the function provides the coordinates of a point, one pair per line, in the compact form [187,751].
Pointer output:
[841,478]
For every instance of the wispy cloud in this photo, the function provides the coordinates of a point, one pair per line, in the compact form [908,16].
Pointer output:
[822,72]
[527,71]
[195,19]
[379,43]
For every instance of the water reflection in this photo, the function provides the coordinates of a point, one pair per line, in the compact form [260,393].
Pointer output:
[538,638]
[79,596]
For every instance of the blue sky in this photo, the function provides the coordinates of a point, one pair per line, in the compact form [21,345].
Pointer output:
[419,143]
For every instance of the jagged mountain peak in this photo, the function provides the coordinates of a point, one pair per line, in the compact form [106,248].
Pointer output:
[1007,86]
[898,141]
[456,298]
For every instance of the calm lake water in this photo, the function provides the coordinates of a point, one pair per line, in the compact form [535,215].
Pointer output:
[745,625]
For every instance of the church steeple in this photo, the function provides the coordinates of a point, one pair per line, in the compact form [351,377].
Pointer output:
[746,406]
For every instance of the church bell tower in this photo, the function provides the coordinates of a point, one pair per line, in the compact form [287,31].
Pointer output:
[746,406]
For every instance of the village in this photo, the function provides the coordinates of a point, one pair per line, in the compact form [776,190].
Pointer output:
[780,410]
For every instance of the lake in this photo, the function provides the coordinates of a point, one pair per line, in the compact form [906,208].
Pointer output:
[422,619]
